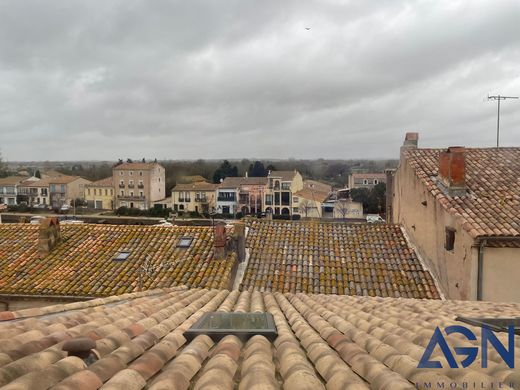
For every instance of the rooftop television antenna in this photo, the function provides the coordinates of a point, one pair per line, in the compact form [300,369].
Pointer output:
[498,98]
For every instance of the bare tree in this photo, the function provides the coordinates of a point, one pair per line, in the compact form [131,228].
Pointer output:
[306,206]
[341,206]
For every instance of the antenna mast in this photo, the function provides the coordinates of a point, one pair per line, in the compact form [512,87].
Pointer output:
[498,98]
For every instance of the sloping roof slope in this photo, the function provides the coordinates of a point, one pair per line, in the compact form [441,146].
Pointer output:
[492,206]
[285,175]
[196,186]
[83,264]
[337,342]
[106,182]
[334,258]
[235,182]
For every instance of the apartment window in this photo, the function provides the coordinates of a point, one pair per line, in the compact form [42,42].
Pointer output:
[365,181]
[62,188]
[286,186]
[376,181]
[106,192]
[88,191]
[131,173]
[269,199]
[131,193]
[122,193]
[449,244]
[141,193]
[140,173]
[112,192]
[122,182]
[159,180]
[121,173]
[295,199]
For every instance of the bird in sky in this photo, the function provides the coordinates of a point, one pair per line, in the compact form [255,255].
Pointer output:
[307,28]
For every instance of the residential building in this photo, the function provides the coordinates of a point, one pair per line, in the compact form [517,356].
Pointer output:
[191,179]
[34,192]
[139,341]
[308,202]
[366,180]
[279,194]
[334,258]
[9,189]
[100,194]
[138,185]
[227,198]
[198,197]
[50,263]
[460,206]
[66,189]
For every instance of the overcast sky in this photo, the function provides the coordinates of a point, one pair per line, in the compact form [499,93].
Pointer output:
[213,79]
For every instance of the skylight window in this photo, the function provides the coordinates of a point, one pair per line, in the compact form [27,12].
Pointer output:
[122,256]
[217,325]
[184,242]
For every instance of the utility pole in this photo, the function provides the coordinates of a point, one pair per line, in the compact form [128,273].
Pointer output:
[498,98]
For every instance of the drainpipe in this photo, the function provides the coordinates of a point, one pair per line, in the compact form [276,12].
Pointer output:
[480,268]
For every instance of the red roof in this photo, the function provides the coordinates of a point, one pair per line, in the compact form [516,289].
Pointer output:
[492,204]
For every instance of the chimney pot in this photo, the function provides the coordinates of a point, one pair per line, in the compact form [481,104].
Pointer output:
[411,141]
[49,235]
[452,170]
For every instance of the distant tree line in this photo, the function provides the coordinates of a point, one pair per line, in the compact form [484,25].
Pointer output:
[333,172]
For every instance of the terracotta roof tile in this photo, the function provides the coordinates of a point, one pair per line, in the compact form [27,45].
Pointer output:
[82,263]
[323,341]
[491,206]
[334,258]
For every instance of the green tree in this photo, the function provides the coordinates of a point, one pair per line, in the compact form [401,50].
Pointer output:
[3,169]
[257,170]
[225,170]
[38,174]
[360,195]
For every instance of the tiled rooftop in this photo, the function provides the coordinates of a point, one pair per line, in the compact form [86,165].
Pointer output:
[197,186]
[492,206]
[235,182]
[106,182]
[334,258]
[82,263]
[324,341]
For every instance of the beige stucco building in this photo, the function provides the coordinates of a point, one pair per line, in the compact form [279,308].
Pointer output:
[198,197]
[100,194]
[34,191]
[64,190]
[278,197]
[461,208]
[138,185]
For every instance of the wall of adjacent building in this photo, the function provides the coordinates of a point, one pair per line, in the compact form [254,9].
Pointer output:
[76,189]
[157,183]
[501,274]
[457,269]
[193,205]
[94,194]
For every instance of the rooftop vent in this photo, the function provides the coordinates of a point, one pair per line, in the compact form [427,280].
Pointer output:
[184,242]
[122,256]
[217,325]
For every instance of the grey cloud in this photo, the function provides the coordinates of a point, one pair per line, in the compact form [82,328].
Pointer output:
[205,79]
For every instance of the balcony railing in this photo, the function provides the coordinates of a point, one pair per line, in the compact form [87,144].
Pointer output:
[121,186]
[201,199]
[131,197]
[140,186]
[226,199]
[131,186]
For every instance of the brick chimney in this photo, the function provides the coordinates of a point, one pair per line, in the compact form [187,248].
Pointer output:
[411,141]
[49,235]
[240,238]
[452,170]
[219,244]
